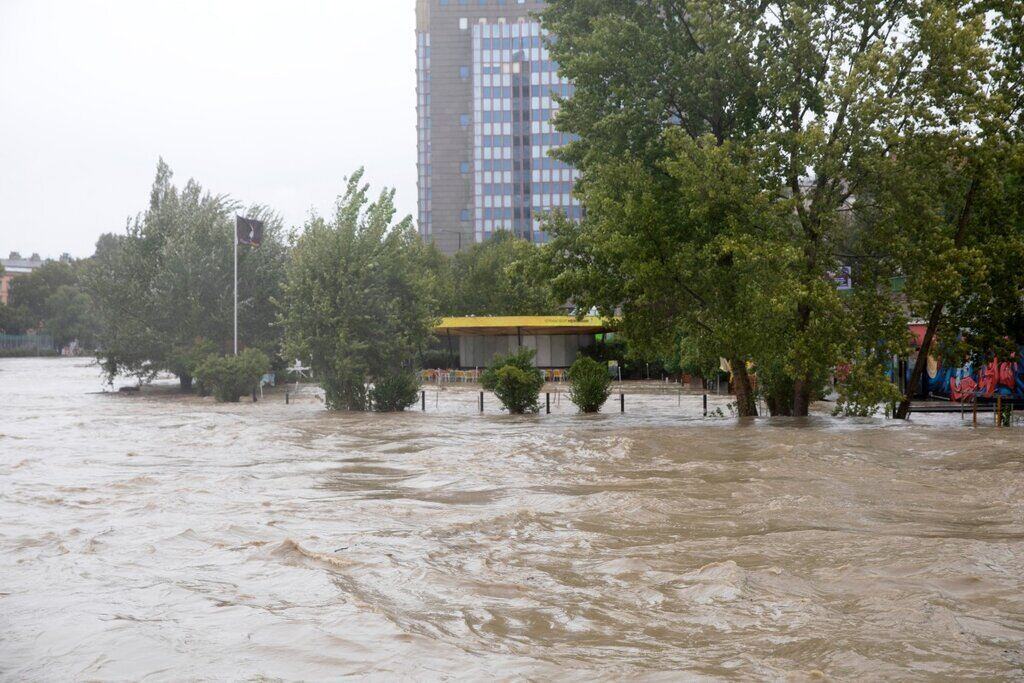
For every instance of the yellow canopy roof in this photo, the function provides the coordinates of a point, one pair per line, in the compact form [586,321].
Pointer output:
[522,324]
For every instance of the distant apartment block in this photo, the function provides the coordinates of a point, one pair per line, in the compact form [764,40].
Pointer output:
[485,99]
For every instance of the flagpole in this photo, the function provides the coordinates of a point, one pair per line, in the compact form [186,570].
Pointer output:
[235,239]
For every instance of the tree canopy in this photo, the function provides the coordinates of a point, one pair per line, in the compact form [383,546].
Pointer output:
[166,284]
[731,153]
[358,302]
[494,278]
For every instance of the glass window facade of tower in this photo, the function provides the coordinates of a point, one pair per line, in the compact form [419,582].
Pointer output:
[423,128]
[515,179]
[485,141]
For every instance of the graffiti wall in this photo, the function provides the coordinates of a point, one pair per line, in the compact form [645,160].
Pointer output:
[999,378]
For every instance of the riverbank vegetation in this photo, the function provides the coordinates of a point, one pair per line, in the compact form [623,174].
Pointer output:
[515,381]
[589,384]
[773,193]
[231,377]
[358,301]
[52,300]
[738,158]
[165,286]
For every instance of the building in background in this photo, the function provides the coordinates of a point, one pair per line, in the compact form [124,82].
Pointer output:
[556,340]
[485,99]
[13,266]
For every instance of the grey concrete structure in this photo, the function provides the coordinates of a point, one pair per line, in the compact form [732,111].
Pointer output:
[485,87]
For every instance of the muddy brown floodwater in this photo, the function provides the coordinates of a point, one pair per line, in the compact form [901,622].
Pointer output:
[168,538]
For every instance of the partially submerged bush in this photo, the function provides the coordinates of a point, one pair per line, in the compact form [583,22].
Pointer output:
[864,389]
[344,384]
[590,384]
[231,377]
[515,381]
[185,362]
[395,392]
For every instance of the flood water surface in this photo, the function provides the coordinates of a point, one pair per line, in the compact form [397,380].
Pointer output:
[170,538]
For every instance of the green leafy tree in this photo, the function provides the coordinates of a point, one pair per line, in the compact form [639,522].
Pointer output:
[865,388]
[70,317]
[494,278]
[793,105]
[51,299]
[589,384]
[231,377]
[187,360]
[515,381]
[357,303]
[700,261]
[168,281]
[958,248]
[13,320]
[32,291]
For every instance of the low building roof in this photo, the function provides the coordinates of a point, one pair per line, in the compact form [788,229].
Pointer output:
[523,324]
[20,265]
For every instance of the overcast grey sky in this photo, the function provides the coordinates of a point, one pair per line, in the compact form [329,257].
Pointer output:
[269,101]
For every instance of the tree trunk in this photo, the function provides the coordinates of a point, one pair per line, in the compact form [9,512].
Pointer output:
[802,384]
[903,412]
[186,382]
[802,397]
[745,404]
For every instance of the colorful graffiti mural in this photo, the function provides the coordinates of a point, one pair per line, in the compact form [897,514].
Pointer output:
[998,378]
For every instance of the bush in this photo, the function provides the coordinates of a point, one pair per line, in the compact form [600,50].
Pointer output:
[358,301]
[865,388]
[185,362]
[515,381]
[590,385]
[395,392]
[231,377]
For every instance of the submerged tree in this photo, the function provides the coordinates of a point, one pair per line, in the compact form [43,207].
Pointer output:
[166,285]
[357,303]
[952,229]
[802,98]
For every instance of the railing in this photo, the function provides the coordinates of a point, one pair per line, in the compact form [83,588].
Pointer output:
[26,342]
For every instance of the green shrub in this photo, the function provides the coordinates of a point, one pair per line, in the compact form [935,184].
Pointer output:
[395,392]
[864,389]
[231,377]
[590,385]
[515,381]
[185,361]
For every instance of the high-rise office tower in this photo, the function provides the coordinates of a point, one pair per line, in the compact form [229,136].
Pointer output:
[485,87]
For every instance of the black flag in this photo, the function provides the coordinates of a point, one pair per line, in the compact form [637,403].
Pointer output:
[249,231]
